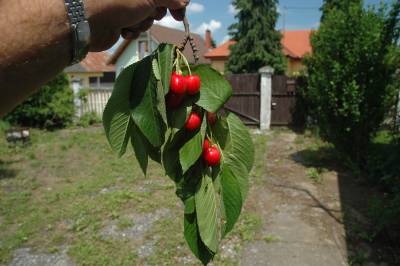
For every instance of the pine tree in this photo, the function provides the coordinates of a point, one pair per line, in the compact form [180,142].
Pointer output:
[258,42]
[336,4]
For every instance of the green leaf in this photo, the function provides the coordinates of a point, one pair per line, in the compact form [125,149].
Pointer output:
[206,210]
[215,90]
[170,154]
[144,102]
[116,116]
[140,146]
[238,146]
[178,117]
[161,106]
[192,150]
[193,239]
[189,205]
[231,198]
[165,61]
[156,69]
[241,147]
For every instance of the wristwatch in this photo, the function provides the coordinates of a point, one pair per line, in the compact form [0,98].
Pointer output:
[80,30]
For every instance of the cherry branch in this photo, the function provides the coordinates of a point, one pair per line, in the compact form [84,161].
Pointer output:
[189,38]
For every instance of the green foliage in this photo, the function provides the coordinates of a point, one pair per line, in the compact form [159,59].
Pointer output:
[51,107]
[258,42]
[136,111]
[88,119]
[329,5]
[350,76]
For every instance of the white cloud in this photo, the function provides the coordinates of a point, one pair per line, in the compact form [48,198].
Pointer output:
[232,10]
[195,8]
[225,39]
[213,26]
[170,22]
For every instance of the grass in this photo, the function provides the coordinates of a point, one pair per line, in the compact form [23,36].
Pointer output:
[61,190]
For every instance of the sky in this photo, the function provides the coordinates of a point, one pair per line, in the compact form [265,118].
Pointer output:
[217,15]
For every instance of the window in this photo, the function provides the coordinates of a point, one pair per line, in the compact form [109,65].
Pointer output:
[143,49]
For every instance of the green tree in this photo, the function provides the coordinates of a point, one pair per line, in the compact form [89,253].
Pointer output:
[351,75]
[258,42]
[51,107]
[336,4]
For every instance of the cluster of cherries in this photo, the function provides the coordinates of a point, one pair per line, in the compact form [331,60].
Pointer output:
[191,84]
[181,85]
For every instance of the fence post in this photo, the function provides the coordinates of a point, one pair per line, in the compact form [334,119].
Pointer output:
[266,97]
[76,87]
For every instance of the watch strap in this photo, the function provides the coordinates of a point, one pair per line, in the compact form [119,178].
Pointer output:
[80,29]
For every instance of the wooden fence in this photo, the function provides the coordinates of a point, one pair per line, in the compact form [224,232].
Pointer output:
[245,100]
[96,101]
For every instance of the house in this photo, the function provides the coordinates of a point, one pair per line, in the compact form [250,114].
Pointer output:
[93,72]
[295,45]
[131,51]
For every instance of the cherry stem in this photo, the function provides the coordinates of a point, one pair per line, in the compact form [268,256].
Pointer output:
[189,38]
[181,55]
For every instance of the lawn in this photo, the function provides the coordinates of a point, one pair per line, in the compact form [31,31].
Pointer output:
[67,191]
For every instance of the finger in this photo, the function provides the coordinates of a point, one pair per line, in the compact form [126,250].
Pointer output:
[178,14]
[146,24]
[159,13]
[129,34]
[173,4]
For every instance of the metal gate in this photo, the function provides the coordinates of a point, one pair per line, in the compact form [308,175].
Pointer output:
[245,100]
[283,109]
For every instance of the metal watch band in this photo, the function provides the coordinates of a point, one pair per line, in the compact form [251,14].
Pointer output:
[80,29]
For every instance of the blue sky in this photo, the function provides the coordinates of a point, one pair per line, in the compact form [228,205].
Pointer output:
[219,14]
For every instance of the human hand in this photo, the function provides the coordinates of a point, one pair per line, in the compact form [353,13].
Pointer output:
[109,19]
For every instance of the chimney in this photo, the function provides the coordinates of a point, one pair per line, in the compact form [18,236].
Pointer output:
[208,40]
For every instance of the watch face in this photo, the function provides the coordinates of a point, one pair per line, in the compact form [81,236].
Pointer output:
[83,38]
[83,31]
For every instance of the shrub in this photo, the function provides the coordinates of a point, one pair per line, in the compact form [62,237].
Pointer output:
[351,75]
[88,119]
[50,108]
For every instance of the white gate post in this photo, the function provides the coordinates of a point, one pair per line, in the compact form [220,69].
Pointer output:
[266,97]
[76,87]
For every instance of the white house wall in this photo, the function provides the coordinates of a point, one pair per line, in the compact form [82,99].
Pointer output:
[131,55]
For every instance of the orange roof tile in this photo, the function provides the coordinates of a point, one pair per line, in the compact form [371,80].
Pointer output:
[97,62]
[221,51]
[295,44]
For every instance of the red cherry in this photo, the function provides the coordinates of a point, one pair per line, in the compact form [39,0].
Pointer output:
[193,122]
[212,156]
[206,145]
[211,118]
[177,84]
[193,84]
[174,100]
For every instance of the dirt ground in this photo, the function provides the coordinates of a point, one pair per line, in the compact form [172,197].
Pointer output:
[311,219]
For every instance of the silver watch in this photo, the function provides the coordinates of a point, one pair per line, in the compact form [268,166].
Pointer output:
[80,30]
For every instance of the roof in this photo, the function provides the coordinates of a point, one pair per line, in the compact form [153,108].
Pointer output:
[295,44]
[93,63]
[163,34]
[221,51]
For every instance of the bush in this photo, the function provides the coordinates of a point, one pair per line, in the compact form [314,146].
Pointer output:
[89,119]
[50,108]
[351,75]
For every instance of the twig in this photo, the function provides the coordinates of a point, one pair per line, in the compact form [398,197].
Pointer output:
[189,38]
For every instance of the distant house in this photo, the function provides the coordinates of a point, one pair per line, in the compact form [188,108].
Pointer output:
[131,51]
[295,45]
[95,75]
[93,72]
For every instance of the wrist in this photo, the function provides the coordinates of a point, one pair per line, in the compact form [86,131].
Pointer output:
[80,29]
